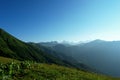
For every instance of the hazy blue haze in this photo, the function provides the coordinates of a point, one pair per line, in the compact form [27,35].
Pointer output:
[71,20]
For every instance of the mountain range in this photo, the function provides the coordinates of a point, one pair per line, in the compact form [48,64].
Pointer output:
[96,56]
[12,47]
[104,56]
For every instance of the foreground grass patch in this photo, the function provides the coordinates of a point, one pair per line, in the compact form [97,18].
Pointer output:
[27,70]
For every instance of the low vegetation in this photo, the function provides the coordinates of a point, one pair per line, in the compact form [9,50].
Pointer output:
[28,70]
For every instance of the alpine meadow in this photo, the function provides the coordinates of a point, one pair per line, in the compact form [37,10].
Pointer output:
[59,40]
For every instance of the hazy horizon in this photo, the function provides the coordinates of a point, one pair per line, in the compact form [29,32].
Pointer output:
[61,20]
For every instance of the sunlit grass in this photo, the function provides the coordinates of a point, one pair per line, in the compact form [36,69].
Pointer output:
[27,70]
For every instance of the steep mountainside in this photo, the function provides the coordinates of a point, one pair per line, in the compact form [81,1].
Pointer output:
[14,48]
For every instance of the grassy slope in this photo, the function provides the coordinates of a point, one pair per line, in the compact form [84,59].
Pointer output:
[7,60]
[12,47]
[54,72]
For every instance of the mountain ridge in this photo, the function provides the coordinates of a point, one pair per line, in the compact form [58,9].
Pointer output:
[12,47]
[15,48]
[98,54]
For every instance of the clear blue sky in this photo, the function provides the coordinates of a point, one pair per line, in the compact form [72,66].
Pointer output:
[58,20]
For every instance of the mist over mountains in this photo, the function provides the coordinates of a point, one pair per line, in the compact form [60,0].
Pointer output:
[101,55]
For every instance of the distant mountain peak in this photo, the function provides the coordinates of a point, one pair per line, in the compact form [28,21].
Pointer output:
[98,40]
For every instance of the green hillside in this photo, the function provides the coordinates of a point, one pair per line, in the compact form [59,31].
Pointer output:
[7,60]
[35,71]
[12,47]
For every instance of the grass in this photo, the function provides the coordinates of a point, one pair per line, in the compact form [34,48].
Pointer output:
[38,71]
[7,60]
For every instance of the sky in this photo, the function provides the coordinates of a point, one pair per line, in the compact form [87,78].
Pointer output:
[61,20]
